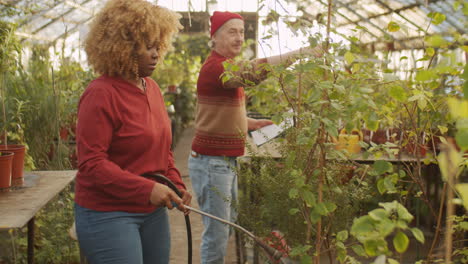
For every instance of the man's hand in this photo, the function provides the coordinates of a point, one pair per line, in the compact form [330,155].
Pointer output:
[316,51]
[254,124]
[289,57]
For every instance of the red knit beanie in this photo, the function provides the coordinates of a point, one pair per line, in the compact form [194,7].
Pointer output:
[219,18]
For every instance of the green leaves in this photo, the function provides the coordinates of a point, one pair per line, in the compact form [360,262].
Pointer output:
[381,167]
[462,189]
[426,75]
[465,77]
[400,242]
[418,234]
[378,214]
[462,138]
[393,26]
[436,41]
[459,112]
[359,250]
[398,93]
[342,235]
[449,162]
[372,229]
[372,121]
[436,17]
[349,57]
[362,226]
[309,198]
[325,208]
[430,51]
[300,250]
[458,108]
[422,97]
[401,211]
[293,193]
[293,211]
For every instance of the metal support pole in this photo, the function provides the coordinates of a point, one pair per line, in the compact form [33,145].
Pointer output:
[31,241]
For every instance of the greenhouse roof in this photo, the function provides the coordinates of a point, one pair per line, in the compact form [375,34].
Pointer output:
[50,20]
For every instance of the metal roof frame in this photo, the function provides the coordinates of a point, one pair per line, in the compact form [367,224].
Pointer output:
[370,18]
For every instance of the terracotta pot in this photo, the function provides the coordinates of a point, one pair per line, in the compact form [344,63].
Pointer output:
[64,133]
[17,177]
[172,88]
[413,149]
[366,135]
[6,160]
[434,143]
[379,137]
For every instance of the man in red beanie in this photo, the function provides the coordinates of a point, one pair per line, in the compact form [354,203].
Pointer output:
[221,126]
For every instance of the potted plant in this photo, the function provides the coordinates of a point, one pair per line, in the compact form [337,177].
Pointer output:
[6,159]
[9,50]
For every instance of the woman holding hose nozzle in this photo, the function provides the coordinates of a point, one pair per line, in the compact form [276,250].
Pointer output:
[123,131]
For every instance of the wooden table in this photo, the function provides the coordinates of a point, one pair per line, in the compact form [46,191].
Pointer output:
[19,206]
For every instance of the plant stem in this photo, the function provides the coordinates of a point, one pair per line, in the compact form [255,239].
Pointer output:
[2,95]
[439,220]
[318,239]
[281,82]
[449,214]
[299,101]
[322,138]
[421,187]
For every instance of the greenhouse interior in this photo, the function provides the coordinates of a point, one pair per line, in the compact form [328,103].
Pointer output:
[355,148]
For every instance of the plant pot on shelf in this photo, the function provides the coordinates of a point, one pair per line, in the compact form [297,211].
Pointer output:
[6,161]
[64,133]
[379,137]
[416,150]
[17,173]
[172,89]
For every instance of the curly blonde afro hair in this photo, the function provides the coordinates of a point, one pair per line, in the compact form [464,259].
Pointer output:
[121,28]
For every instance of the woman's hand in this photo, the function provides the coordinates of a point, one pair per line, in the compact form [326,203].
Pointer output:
[186,200]
[161,196]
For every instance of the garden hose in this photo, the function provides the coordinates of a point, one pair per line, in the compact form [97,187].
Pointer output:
[171,185]
[273,253]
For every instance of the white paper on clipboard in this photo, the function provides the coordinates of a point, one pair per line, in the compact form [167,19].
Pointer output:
[267,133]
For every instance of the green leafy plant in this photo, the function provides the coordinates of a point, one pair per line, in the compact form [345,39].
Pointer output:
[9,53]
[373,229]
[309,189]
[41,101]
[181,68]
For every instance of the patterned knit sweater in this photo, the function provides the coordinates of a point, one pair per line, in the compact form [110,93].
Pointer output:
[221,121]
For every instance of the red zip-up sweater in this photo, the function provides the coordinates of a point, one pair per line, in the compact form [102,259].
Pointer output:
[122,132]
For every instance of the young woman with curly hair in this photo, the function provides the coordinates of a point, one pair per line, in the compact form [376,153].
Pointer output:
[124,131]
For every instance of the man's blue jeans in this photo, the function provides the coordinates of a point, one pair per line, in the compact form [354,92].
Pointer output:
[123,238]
[214,182]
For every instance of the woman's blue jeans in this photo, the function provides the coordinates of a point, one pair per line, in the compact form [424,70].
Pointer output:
[214,182]
[123,238]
